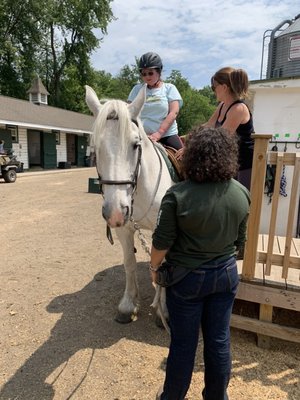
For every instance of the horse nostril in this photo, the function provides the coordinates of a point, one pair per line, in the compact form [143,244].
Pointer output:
[104,212]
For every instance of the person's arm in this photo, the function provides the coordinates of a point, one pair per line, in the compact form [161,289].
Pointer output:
[211,123]
[237,115]
[165,232]
[157,257]
[167,122]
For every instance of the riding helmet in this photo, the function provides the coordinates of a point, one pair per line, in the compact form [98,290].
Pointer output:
[150,60]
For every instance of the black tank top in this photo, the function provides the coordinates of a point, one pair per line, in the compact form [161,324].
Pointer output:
[244,132]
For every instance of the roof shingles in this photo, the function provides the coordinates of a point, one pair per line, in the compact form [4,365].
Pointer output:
[22,112]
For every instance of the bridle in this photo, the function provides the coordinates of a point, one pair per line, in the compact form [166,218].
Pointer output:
[132,181]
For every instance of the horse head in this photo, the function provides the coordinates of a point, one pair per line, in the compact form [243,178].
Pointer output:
[117,140]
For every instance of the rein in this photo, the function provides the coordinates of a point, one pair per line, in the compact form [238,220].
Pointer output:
[156,185]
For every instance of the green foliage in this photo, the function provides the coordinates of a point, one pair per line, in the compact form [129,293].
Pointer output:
[198,105]
[19,37]
[179,81]
[48,38]
[118,87]
[196,110]
[55,39]
[207,92]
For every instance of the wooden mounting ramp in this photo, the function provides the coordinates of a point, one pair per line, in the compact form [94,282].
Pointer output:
[270,271]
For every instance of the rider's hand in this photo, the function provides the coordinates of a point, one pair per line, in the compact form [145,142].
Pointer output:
[155,137]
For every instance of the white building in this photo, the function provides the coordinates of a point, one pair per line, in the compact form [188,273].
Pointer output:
[41,135]
[276,111]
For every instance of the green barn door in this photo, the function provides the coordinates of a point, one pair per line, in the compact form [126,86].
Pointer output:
[49,158]
[81,144]
[6,136]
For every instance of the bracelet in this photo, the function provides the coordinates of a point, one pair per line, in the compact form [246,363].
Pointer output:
[153,269]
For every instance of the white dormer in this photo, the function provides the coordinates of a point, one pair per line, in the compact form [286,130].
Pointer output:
[38,94]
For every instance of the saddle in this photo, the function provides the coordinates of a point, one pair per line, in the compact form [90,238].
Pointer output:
[176,163]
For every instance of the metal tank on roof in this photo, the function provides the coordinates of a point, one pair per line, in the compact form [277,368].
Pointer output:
[283,49]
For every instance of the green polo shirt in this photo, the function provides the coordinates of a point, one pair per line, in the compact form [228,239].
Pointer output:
[202,222]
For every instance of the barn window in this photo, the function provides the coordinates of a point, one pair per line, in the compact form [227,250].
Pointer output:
[57,136]
[34,97]
[43,98]
[13,129]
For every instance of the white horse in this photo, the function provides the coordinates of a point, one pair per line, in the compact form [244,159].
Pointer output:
[133,176]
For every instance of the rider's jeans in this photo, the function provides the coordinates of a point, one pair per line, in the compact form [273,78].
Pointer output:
[203,299]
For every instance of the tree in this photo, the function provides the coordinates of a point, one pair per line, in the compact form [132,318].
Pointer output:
[207,92]
[49,38]
[196,110]
[20,36]
[178,80]
[121,85]
[198,105]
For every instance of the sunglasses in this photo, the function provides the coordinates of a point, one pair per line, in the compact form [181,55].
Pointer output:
[213,87]
[150,73]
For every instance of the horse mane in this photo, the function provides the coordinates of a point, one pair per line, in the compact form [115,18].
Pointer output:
[116,110]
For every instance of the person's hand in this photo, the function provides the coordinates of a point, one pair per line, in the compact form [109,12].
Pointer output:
[179,154]
[155,137]
[153,276]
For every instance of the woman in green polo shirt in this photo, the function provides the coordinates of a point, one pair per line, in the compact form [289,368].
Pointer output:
[201,224]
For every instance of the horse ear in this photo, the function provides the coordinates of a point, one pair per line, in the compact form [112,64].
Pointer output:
[92,100]
[136,106]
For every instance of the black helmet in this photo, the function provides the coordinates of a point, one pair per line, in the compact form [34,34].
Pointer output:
[150,60]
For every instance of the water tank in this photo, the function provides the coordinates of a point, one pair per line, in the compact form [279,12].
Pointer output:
[284,50]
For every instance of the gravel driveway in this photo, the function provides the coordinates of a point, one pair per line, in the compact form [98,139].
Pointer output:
[61,281]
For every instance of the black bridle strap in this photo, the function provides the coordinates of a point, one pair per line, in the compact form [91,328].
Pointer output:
[108,182]
[132,182]
[122,182]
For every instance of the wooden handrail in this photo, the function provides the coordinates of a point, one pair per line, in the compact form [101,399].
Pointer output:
[260,159]
[261,142]
[291,215]
[275,200]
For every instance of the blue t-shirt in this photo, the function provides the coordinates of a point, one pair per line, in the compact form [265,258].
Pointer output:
[156,106]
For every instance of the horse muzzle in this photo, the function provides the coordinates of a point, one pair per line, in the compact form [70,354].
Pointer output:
[116,218]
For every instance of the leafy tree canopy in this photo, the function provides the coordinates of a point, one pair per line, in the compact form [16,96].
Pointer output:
[49,38]
[55,40]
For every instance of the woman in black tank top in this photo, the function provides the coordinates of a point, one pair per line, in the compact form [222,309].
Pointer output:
[231,86]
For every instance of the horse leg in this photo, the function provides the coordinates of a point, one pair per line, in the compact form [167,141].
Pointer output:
[162,314]
[128,306]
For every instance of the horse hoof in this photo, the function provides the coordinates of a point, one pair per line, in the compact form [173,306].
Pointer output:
[125,318]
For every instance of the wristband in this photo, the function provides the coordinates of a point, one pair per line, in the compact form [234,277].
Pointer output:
[153,269]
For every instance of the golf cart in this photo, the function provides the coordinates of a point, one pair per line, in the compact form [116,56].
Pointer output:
[9,167]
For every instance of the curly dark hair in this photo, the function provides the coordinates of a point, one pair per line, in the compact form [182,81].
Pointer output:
[211,155]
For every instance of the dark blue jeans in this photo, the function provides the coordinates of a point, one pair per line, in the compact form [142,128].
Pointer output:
[203,299]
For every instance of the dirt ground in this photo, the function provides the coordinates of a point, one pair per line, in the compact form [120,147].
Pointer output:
[60,284]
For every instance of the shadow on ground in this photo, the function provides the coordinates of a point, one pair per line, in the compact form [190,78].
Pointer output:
[87,322]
